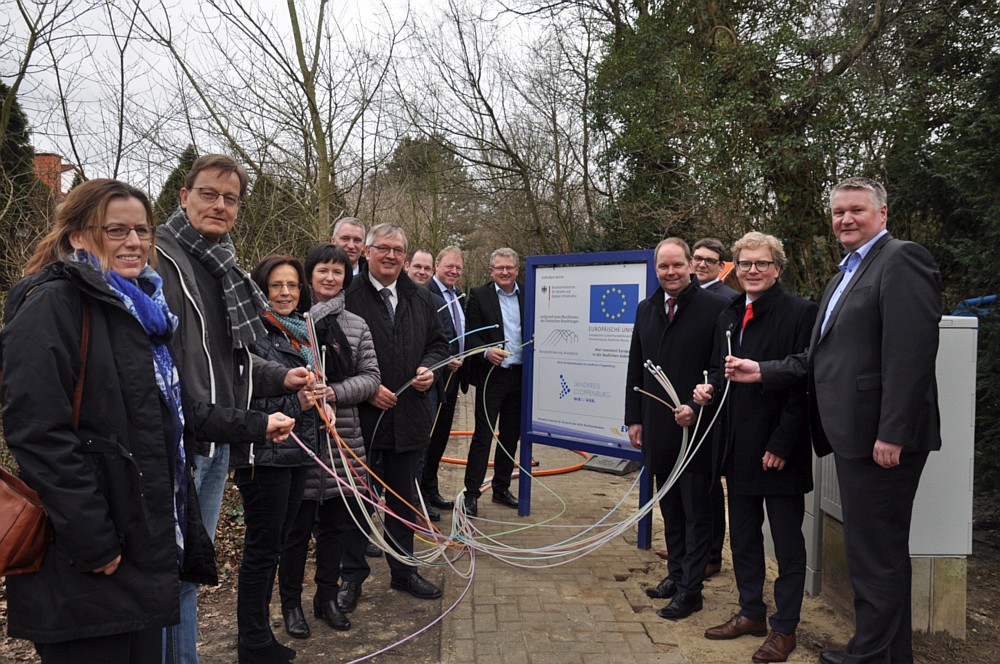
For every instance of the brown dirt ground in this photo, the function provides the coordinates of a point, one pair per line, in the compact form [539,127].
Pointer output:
[382,625]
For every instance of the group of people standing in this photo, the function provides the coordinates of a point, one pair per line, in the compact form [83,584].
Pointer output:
[141,365]
[854,376]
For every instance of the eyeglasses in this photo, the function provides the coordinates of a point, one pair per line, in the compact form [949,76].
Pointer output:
[762,266]
[705,260]
[504,268]
[382,249]
[209,195]
[278,285]
[144,233]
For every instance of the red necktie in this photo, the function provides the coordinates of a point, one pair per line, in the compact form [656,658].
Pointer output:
[747,316]
[671,307]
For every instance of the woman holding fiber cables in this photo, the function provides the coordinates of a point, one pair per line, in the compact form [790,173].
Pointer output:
[348,363]
[270,477]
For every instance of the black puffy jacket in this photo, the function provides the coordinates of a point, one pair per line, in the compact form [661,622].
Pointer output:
[276,348]
[107,488]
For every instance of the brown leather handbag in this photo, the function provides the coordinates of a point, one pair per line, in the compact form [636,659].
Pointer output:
[25,528]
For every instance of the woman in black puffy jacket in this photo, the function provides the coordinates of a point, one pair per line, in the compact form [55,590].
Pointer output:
[114,470]
[327,507]
[270,477]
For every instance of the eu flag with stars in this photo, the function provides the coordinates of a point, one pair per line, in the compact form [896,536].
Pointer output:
[613,303]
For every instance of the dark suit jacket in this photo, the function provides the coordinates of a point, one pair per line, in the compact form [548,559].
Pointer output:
[871,374]
[484,309]
[721,289]
[462,375]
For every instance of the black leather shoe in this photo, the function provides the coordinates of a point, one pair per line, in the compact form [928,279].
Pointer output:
[665,590]
[832,657]
[328,611]
[295,623]
[347,598]
[272,653]
[433,514]
[438,501]
[681,606]
[416,585]
[505,498]
[471,506]
[372,550]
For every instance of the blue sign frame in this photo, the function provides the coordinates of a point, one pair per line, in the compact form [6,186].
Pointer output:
[531,437]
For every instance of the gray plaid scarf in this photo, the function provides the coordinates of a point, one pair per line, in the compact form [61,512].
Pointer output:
[244,301]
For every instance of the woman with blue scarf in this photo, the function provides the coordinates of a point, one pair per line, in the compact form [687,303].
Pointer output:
[104,439]
[271,477]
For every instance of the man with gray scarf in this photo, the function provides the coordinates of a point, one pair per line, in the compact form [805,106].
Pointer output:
[219,308]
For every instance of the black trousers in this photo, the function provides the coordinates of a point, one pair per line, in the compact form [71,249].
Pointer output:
[499,397]
[687,520]
[746,539]
[340,549]
[440,436]
[271,497]
[139,647]
[399,472]
[877,507]
[718,498]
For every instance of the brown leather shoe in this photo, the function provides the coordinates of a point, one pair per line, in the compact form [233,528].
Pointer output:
[777,647]
[736,627]
[711,569]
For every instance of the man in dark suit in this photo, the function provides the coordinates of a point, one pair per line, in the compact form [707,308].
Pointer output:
[762,445]
[673,328]
[420,269]
[496,373]
[873,400]
[709,257]
[447,272]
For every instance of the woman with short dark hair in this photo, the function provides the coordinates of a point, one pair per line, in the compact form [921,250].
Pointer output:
[270,476]
[352,375]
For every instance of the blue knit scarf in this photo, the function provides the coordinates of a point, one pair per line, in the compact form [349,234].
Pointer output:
[143,297]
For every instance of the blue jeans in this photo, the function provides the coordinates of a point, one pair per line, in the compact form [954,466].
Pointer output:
[180,642]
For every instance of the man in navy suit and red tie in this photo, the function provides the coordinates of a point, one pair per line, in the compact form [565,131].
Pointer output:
[496,373]
[872,399]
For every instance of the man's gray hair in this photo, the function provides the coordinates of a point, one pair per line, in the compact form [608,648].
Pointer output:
[874,188]
[505,252]
[385,230]
[352,221]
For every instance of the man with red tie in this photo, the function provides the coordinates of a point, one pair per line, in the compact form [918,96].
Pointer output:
[762,446]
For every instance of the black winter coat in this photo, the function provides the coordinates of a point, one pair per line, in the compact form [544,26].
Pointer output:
[107,488]
[684,349]
[276,348]
[416,340]
[754,421]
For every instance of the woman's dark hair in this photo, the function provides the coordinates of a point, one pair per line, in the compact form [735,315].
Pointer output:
[328,253]
[262,273]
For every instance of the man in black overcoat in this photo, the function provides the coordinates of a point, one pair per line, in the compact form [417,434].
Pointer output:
[408,339]
[762,446]
[673,328]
